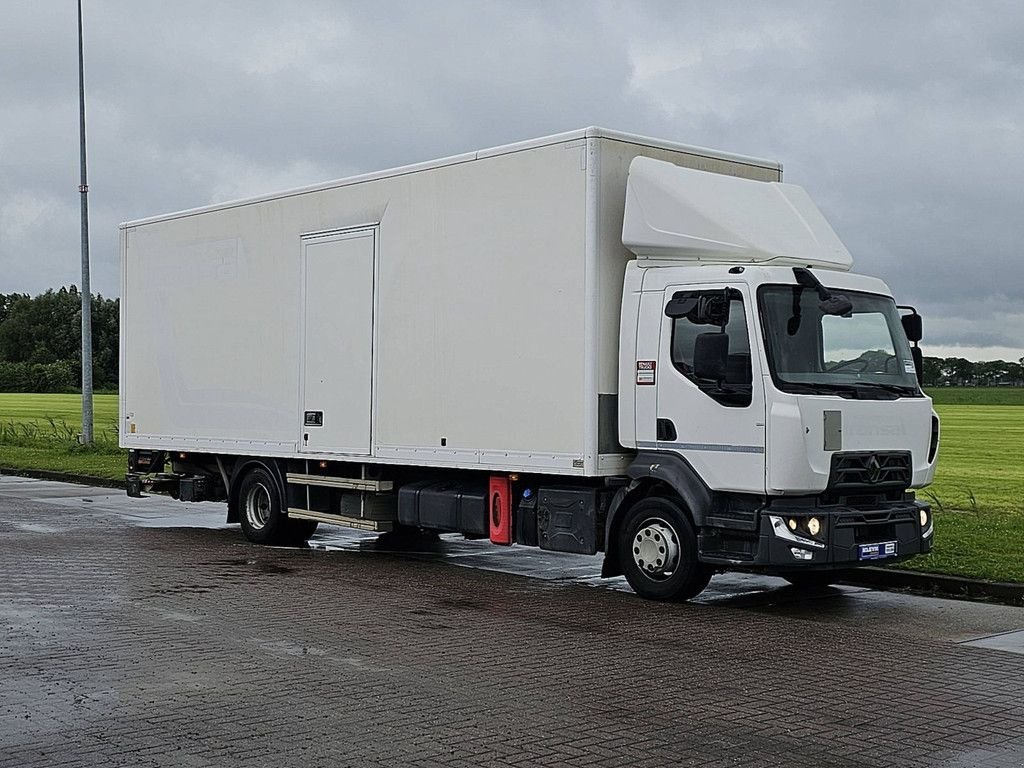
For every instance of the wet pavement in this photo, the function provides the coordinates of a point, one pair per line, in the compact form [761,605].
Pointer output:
[148,632]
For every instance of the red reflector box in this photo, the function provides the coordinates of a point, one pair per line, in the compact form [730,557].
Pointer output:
[501,510]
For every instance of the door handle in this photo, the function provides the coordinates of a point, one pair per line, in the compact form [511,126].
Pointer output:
[666,430]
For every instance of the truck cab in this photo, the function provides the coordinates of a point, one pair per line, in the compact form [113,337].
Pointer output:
[773,394]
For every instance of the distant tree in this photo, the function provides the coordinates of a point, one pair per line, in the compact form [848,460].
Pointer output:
[105,341]
[47,330]
[991,372]
[958,371]
[932,371]
[5,303]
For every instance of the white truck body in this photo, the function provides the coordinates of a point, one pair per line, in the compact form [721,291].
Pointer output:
[461,313]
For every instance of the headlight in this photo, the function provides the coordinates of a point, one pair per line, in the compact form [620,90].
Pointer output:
[924,518]
[792,524]
[814,526]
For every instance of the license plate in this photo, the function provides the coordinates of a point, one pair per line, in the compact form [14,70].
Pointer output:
[878,551]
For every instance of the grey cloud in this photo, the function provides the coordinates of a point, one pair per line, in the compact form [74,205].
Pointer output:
[902,120]
[184,96]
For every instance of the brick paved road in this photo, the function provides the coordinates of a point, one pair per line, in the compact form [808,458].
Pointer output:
[134,646]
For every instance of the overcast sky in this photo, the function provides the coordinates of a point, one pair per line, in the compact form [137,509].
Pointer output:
[903,120]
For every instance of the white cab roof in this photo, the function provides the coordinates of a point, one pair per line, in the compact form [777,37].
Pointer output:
[679,213]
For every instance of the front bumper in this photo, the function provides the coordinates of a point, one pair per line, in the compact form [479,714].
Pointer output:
[849,536]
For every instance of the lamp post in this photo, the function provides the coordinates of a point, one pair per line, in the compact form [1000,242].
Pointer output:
[83,189]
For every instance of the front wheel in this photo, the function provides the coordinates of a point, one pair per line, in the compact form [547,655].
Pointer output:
[658,552]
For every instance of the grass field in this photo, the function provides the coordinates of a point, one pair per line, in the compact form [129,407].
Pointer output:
[978,493]
[66,409]
[981,459]
[977,395]
[40,432]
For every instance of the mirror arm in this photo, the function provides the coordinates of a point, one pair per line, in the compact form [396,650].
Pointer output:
[915,351]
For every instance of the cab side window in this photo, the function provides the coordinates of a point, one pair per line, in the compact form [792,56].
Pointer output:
[711,343]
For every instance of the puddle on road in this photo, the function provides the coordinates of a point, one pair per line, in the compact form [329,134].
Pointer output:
[285,648]
[179,616]
[182,589]
[1012,642]
[38,528]
[153,512]
[246,566]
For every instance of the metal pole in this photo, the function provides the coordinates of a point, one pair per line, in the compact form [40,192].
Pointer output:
[83,188]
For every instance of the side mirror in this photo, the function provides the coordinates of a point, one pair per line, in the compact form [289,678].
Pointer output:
[700,307]
[681,305]
[912,326]
[713,309]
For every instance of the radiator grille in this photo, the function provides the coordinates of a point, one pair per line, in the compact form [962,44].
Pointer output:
[875,470]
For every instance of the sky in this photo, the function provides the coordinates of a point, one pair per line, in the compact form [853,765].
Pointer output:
[904,121]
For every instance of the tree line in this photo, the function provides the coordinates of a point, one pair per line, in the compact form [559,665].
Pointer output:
[40,348]
[41,341]
[958,372]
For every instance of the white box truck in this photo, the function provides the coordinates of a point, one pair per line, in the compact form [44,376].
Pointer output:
[589,342]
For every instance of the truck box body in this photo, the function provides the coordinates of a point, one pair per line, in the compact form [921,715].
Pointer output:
[462,313]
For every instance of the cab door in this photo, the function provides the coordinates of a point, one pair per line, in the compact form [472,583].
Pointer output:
[710,403]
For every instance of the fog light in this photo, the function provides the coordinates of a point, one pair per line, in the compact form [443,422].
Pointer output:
[801,554]
[792,524]
[814,526]
[924,518]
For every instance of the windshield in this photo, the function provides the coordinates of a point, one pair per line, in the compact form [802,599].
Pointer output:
[863,354]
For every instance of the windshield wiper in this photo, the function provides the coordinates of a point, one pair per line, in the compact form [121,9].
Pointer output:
[857,391]
[898,389]
[819,388]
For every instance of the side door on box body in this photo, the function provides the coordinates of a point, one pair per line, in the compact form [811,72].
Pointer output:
[337,341]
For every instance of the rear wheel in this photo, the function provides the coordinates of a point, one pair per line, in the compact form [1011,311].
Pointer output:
[261,513]
[658,552]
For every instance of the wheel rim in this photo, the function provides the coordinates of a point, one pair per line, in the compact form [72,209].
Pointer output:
[655,548]
[257,506]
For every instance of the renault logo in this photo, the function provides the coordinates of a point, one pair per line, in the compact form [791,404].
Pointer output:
[874,470]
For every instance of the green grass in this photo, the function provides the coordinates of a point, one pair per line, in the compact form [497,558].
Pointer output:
[40,432]
[981,459]
[977,395]
[982,545]
[978,492]
[40,409]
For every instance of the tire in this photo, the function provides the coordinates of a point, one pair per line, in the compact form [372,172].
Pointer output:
[658,552]
[259,508]
[812,579]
